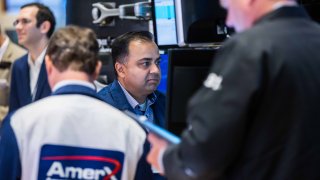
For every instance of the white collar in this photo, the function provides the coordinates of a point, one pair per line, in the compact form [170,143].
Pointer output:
[72,82]
[133,102]
[280,4]
[39,59]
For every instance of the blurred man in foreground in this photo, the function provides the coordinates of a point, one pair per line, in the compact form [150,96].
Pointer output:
[257,114]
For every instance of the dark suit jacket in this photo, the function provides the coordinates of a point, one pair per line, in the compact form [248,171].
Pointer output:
[257,115]
[114,95]
[20,94]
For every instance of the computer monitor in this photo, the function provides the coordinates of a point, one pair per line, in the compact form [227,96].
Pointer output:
[200,22]
[313,9]
[164,71]
[164,23]
[187,70]
[107,72]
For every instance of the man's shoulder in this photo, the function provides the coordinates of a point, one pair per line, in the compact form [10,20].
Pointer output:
[105,90]
[105,93]
[160,96]
[109,93]
[18,51]
[22,61]
[13,52]
[159,93]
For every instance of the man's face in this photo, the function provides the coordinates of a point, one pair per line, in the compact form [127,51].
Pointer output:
[26,28]
[238,16]
[141,71]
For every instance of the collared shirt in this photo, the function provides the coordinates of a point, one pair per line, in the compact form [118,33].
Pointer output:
[35,67]
[4,47]
[141,109]
[72,82]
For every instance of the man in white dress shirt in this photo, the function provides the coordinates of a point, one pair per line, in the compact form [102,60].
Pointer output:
[34,25]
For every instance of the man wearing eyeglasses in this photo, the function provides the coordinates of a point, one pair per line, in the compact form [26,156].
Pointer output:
[9,52]
[34,25]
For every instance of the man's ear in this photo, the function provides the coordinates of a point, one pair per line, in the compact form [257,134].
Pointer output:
[97,70]
[50,71]
[45,27]
[48,64]
[119,69]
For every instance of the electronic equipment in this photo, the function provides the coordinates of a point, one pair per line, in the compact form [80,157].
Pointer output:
[200,22]
[188,68]
[164,23]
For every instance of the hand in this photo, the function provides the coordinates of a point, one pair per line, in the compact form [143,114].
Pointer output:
[158,146]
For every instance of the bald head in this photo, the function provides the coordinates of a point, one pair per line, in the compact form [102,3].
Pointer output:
[243,13]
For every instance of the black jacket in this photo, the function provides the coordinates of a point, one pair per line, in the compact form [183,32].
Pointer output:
[257,115]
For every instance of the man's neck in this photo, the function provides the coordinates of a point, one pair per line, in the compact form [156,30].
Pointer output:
[139,98]
[280,4]
[37,49]
[264,7]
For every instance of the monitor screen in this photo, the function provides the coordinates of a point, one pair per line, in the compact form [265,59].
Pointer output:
[187,70]
[164,22]
[200,22]
[107,72]
[164,72]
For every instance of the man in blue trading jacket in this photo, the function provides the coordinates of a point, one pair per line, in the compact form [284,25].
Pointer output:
[72,134]
[257,115]
[34,26]
[136,61]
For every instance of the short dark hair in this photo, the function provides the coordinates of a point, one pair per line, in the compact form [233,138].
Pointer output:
[120,45]
[44,14]
[74,48]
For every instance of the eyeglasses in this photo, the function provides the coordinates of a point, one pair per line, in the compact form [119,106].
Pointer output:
[23,21]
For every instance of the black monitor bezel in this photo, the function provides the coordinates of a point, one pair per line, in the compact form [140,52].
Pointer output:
[154,25]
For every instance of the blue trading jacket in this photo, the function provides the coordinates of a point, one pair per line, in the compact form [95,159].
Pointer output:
[114,95]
